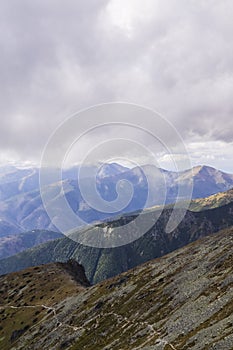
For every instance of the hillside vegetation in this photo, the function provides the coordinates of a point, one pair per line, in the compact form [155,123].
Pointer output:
[181,301]
[100,264]
[214,201]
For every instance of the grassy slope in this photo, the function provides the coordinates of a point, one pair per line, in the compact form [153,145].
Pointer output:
[214,201]
[29,296]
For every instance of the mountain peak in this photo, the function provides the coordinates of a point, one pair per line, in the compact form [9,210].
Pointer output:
[110,169]
[203,168]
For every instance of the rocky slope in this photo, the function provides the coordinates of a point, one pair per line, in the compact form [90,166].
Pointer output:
[181,301]
[207,180]
[100,264]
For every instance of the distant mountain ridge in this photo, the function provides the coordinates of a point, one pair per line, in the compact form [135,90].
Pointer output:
[21,207]
[13,244]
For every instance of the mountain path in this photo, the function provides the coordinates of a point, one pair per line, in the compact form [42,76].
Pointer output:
[128,324]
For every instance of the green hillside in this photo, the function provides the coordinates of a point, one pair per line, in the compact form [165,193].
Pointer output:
[100,264]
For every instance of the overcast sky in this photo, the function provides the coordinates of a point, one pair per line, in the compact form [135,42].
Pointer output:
[174,56]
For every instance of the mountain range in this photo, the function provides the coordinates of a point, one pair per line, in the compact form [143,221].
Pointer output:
[60,294]
[13,244]
[21,207]
[103,263]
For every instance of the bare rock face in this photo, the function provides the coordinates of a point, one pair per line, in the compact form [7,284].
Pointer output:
[181,301]
[76,270]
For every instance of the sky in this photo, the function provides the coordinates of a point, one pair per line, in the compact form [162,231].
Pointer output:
[173,56]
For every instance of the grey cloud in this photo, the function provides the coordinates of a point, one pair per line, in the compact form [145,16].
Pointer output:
[58,57]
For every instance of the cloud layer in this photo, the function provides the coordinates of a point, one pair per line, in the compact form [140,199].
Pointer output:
[58,57]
